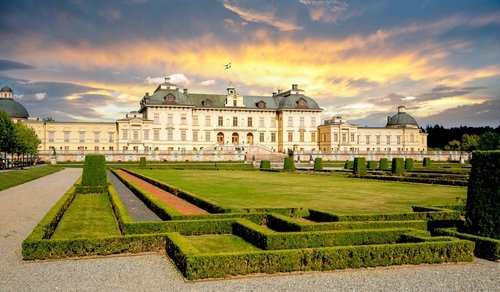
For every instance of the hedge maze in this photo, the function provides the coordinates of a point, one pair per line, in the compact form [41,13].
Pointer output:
[229,242]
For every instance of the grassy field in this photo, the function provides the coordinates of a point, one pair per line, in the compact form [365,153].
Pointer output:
[220,243]
[13,178]
[87,216]
[334,193]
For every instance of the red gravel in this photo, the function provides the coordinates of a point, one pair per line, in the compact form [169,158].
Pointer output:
[173,201]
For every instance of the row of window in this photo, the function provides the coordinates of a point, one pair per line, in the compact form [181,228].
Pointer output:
[235,122]
[368,139]
[81,137]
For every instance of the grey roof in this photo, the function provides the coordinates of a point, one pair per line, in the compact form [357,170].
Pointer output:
[13,108]
[6,89]
[293,101]
[401,120]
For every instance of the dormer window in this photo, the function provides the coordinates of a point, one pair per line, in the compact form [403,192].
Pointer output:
[170,98]
[261,104]
[206,102]
[302,103]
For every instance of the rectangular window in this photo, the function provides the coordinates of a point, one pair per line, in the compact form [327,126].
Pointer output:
[156,135]
[195,136]
[301,136]
[208,121]
[207,136]
[249,122]
[335,137]
[170,135]
[51,136]
[378,139]
[66,136]
[81,137]
[125,135]
[111,137]
[170,119]
[135,135]
[156,118]
[220,121]
[367,139]
[111,148]
[146,134]
[235,102]
[183,119]
[344,138]
[290,121]
[302,122]
[96,148]
[313,122]
[183,135]
[96,137]
[195,120]
[352,137]
[273,122]
[313,137]
[261,137]
[290,136]
[66,148]
[235,121]
[273,137]
[388,140]
[398,140]
[261,122]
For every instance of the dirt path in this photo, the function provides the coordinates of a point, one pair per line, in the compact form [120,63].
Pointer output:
[173,201]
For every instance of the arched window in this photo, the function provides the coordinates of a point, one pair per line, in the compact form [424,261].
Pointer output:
[235,139]
[220,138]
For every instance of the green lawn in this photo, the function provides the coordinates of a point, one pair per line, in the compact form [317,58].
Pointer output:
[12,178]
[89,215]
[220,243]
[334,193]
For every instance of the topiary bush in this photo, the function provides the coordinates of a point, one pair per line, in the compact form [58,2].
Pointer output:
[289,164]
[426,162]
[142,162]
[348,165]
[94,171]
[408,163]
[384,164]
[265,164]
[482,210]
[372,164]
[318,163]
[398,166]
[359,166]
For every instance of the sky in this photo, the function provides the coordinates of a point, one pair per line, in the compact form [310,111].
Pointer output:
[86,60]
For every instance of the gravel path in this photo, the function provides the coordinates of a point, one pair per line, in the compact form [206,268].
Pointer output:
[23,206]
[135,207]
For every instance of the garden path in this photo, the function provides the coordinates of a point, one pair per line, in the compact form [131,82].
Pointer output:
[173,201]
[135,207]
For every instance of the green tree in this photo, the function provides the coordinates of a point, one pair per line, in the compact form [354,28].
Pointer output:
[489,141]
[26,141]
[6,134]
[470,142]
[453,145]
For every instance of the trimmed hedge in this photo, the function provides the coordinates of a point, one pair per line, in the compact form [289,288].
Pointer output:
[384,164]
[482,214]
[318,163]
[94,171]
[142,162]
[372,164]
[289,164]
[359,166]
[398,166]
[426,162]
[265,164]
[195,265]
[408,163]
[348,165]
[486,248]
[321,216]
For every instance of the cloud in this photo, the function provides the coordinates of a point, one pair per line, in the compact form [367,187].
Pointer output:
[442,91]
[40,95]
[479,114]
[6,65]
[266,17]
[328,11]
[207,82]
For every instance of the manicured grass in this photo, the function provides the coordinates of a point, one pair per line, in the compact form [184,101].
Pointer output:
[333,193]
[220,243]
[12,178]
[89,215]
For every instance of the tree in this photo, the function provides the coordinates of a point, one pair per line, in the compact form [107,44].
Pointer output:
[6,134]
[489,141]
[470,142]
[452,145]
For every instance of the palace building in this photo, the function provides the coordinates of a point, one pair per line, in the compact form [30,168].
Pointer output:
[175,124]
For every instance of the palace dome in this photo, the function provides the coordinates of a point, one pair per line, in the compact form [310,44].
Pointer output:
[401,120]
[13,108]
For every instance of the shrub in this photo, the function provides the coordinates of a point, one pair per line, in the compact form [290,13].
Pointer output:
[359,166]
[482,211]
[398,166]
[348,165]
[265,164]
[94,171]
[426,162]
[318,163]
[321,216]
[408,163]
[486,248]
[372,164]
[142,162]
[384,164]
[289,164]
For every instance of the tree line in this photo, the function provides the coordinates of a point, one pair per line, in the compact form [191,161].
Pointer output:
[463,138]
[18,142]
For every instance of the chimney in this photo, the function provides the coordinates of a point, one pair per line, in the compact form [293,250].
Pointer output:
[401,109]
[279,91]
[147,93]
[294,86]
[185,90]
[274,93]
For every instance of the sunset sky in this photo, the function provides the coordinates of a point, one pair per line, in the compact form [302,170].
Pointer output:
[81,60]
